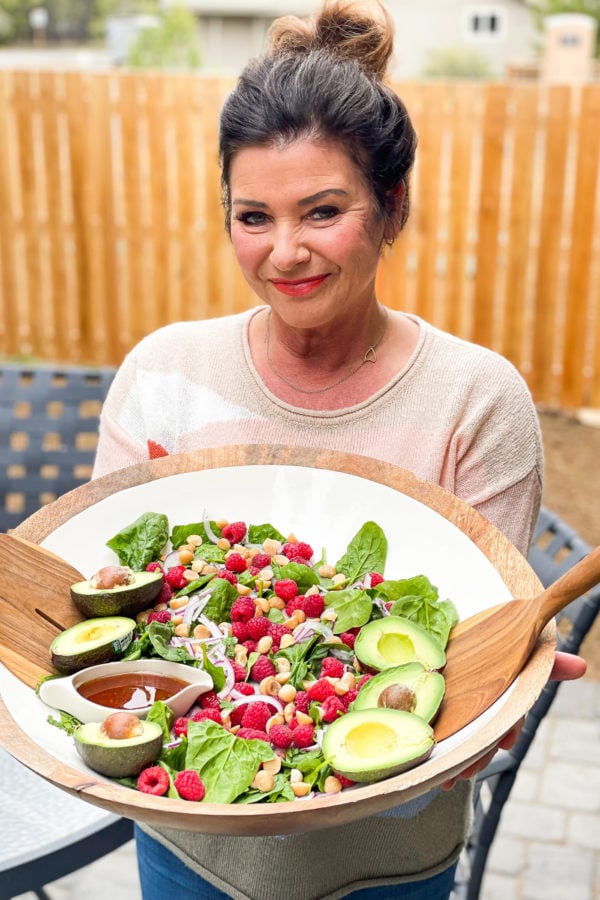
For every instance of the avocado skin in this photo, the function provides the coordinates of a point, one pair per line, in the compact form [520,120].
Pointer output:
[428,687]
[124,600]
[113,648]
[118,758]
[405,724]
[425,648]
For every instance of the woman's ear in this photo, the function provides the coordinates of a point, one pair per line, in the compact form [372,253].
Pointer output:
[395,198]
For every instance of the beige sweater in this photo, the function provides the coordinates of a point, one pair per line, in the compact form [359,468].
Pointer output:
[457,415]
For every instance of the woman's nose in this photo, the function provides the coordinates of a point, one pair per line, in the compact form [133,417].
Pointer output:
[289,249]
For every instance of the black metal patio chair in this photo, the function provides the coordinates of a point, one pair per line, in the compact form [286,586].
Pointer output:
[48,432]
[556,548]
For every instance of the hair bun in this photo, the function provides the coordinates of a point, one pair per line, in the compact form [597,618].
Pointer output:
[362,30]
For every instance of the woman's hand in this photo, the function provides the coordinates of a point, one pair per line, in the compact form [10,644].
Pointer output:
[567,667]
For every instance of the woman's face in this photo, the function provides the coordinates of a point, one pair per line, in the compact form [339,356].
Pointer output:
[304,230]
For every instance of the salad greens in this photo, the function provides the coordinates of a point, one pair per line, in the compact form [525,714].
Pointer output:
[142,541]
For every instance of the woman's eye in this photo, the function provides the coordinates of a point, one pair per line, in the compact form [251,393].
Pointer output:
[322,213]
[251,218]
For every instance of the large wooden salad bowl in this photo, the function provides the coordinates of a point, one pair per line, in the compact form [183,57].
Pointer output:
[25,734]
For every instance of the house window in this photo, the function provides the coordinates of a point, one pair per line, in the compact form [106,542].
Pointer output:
[485,23]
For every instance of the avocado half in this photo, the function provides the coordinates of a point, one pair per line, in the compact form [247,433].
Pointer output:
[91,643]
[370,744]
[423,695]
[394,641]
[118,757]
[121,600]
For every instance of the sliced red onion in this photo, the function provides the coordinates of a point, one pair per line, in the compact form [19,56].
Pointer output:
[319,627]
[367,581]
[172,744]
[225,664]
[212,627]
[209,532]
[195,605]
[380,604]
[171,560]
[240,699]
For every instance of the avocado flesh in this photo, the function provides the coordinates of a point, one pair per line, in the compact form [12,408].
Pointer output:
[428,688]
[118,758]
[370,744]
[121,600]
[91,643]
[394,641]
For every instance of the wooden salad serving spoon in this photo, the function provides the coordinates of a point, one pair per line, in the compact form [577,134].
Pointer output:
[485,653]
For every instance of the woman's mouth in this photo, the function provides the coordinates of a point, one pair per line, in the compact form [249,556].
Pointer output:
[297,287]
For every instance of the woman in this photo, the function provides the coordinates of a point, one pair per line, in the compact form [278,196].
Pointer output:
[316,153]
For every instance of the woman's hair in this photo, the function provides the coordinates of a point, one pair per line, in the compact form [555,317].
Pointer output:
[323,79]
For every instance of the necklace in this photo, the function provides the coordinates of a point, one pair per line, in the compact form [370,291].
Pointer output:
[369,357]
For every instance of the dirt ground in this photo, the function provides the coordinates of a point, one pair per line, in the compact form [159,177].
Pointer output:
[572,489]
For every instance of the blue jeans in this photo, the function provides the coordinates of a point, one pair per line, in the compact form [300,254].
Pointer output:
[163,876]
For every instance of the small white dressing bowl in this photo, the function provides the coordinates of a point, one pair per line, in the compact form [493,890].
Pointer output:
[62,693]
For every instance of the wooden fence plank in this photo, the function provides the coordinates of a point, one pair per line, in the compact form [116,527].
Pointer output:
[579,300]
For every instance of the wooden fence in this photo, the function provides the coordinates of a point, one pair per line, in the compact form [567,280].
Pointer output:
[110,219]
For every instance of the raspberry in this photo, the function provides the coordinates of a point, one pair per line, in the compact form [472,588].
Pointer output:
[236,715]
[286,588]
[188,785]
[302,701]
[239,631]
[257,627]
[304,551]
[166,593]
[313,606]
[161,615]
[235,562]
[235,532]
[252,734]
[281,736]
[262,668]
[295,603]
[239,671]
[213,714]
[349,698]
[332,709]
[209,700]
[257,715]
[277,631]
[250,645]
[153,780]
[242,687]
[304,736]
[174,577]
[180,726]
[348,639]
[332,667]
[261,561]
[231,577]
[242,609]
[154,567]
[376,578]
[320,690]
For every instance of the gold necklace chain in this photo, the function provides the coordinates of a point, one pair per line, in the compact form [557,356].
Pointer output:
[369,357]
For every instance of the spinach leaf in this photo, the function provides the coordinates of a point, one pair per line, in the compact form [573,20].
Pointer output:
[66,722]
[226,764]
[160,713]
[142,541]
[299,656]
[366,552]
[216,672]
[418,600]
[181,533]
[258,534]
[353,608]
[159,635]
[222,596]
[282,790]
